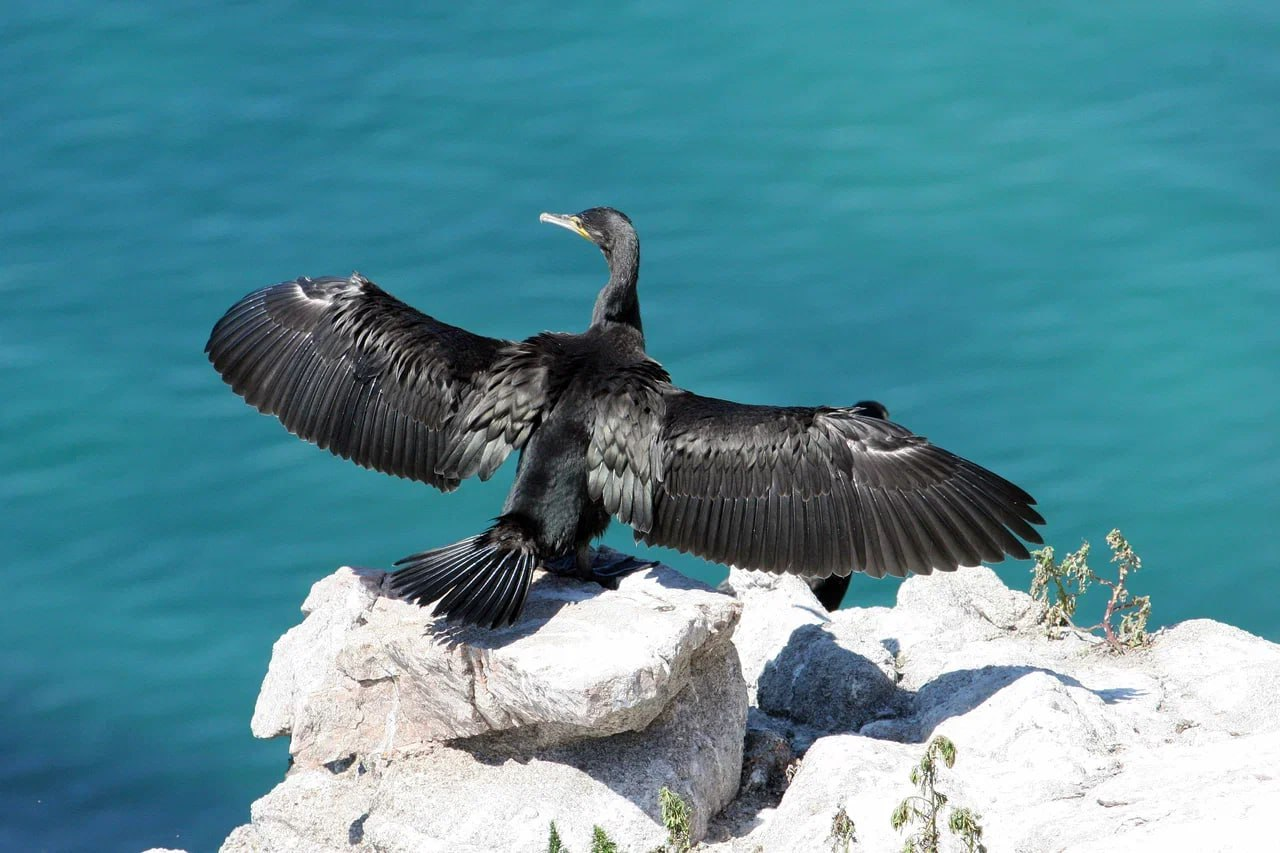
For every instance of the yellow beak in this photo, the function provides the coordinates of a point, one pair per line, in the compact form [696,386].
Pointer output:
[565,220]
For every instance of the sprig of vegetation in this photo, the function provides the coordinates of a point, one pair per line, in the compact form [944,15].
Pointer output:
[554,844]
[676,818]
[1058,586]
[964,823]
[926,806]
[1133,625]
[601,842]
[843,832]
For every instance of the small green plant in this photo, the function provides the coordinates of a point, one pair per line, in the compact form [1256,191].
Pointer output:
[1058,586]
[1133,625]
[926,806]
[843,832]
[675,817]
[964,823]
[554,844]
[601,842]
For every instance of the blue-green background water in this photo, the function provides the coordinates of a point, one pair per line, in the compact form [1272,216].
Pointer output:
[1046,235]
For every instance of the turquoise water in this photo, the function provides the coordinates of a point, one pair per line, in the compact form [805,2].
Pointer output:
[1047,236]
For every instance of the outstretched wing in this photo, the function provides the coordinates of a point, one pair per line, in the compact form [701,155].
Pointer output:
[344,364]
[814,491]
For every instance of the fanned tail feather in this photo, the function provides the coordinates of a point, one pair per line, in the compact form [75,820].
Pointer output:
[482,580]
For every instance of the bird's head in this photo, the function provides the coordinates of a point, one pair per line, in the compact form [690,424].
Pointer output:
[872,409]
[604,226]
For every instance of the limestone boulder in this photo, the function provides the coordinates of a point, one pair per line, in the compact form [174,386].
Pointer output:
[409,735]
[368,674]
[1062,745]
[774,607]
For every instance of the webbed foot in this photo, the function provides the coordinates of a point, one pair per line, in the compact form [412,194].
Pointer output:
[603,565]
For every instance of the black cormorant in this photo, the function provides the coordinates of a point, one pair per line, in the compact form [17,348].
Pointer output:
[816,491]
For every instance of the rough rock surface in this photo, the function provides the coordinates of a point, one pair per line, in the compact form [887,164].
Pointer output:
[408,737]
[1062,746]
[773,608]
[368,674]
[804,665]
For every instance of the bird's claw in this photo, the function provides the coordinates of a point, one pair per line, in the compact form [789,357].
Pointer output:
[607,568]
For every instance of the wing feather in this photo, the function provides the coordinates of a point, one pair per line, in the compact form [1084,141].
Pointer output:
[345,365]
[814,491]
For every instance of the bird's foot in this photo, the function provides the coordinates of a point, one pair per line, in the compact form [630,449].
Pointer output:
[608,564]
[606,568]
[566,565]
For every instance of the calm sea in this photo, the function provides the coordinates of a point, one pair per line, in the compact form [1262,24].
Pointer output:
[1047,235]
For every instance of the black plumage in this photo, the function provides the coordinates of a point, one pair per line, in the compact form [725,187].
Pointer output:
[602,432]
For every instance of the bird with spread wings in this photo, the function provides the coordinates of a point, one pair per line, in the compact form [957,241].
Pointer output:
[602,433]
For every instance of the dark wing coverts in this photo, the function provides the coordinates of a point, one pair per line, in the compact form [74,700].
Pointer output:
[814,491]
[344,364]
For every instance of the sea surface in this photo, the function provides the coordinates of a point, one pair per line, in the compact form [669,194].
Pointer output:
[1046,235]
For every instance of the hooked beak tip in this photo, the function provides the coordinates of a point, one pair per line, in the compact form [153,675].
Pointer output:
[565,220]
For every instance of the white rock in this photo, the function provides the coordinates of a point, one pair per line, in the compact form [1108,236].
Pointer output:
[410,736]
[829,678]
[846,771]
[973,601]
[774,607]
[614,782]
[313,809]
[1062,746]
[1219,676]
[1218,797]
[492,795]
[1197,798]
[366,674]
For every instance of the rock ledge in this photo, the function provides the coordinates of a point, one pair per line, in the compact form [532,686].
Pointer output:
[406,737]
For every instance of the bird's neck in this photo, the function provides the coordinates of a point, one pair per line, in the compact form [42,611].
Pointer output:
[618,302]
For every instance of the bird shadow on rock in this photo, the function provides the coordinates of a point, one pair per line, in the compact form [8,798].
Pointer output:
[818,683]
[955,693]
[548,595]
[829,689]
[374,580]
